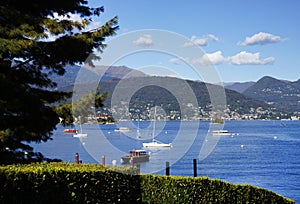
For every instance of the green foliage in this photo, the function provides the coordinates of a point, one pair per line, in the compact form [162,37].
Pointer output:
[89,183]
[162,189]
[80,108]
[67,183]
[35,44]
[64,112]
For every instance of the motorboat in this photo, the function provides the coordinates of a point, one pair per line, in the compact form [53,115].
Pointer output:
[136,156]
[70,130]
[122,129]
[222,133]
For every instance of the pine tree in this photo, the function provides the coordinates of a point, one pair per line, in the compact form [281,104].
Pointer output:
[34,44]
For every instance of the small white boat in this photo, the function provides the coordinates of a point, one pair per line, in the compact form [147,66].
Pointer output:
[222,133]
[122,129]
[156,144]
[80,134]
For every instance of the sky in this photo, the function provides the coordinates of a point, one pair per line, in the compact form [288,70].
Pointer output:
[243,40]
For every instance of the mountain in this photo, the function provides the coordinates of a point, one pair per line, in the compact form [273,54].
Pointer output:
[94,74]
[175,95]
[239,86]
[172,94]
[279,93]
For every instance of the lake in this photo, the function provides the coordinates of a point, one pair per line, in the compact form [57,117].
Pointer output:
[264,153]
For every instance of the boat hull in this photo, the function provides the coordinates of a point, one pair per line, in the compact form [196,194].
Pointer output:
[156,145]
[222,133]
[122,129]
[80,135]
[135,159]
[70,130]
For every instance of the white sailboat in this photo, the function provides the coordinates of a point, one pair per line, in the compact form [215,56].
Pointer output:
[80,134]
[155,143]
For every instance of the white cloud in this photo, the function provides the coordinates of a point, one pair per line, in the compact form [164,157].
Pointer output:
[210,58]
[246,58]
[261,38]
[214,58]
[195,41]
[144,41]
[213,37]
[176,61]
[71,17]
[77,18]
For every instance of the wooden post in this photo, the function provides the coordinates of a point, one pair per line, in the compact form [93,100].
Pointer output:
[138,166]
[195,168]
[131,162]
[77,158]
[103,160]
[167,168]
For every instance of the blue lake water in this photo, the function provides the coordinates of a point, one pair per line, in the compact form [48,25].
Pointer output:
[264,153]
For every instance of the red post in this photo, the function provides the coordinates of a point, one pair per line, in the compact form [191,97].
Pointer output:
[77,158]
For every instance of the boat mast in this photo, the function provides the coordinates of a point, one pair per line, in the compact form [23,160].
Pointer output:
[154,121]
[80,124]
[138,129]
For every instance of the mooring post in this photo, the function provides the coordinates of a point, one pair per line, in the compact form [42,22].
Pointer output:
[195,167]
[167,168]
[138,166]
[77,158]
[131,162]
[103,160]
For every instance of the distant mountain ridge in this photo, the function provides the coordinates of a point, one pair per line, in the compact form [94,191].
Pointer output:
[239,86]
[279,93]
[283,95]
[94,74]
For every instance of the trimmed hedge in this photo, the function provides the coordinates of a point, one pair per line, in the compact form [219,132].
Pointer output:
[90,183]
[68,183]
[163,189]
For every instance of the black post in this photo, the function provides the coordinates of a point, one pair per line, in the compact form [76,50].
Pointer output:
[195,168]
[167,169]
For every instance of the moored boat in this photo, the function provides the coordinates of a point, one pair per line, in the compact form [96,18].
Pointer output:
[222,133]
[122,129]
[156,144]
[70,130]
[80,133]
[136,156]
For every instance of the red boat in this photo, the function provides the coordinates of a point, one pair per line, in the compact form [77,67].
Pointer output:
[70,130]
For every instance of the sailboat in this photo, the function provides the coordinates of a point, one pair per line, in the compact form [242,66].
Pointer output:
[155,143]
[80,134]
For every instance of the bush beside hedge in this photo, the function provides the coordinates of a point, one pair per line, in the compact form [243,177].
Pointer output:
[90,183]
